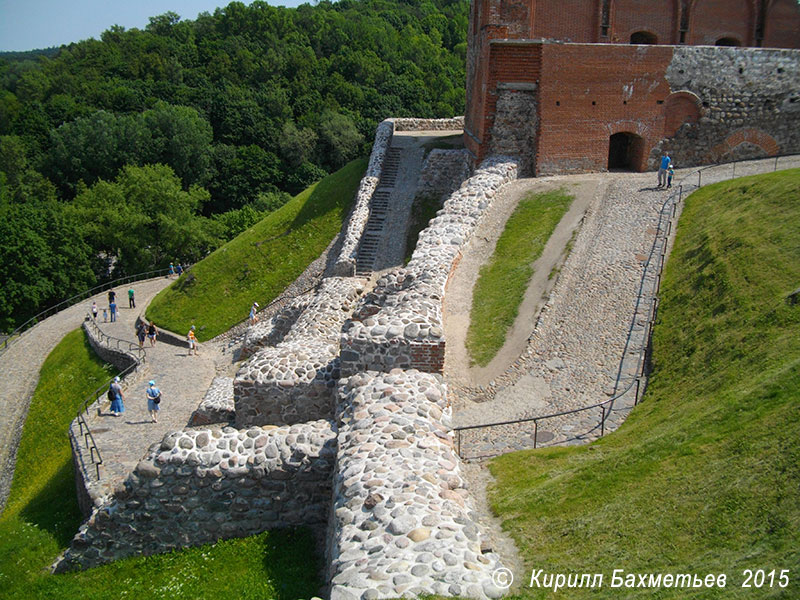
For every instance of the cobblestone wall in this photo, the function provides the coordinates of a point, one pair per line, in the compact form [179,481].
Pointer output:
[443,173]
[217,404]
[401,521]
[121,359]
[411,124]
[199,486]
[294,381]
[399,323]
[345,266]
[750,104]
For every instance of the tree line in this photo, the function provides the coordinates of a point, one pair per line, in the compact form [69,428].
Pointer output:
[122,154]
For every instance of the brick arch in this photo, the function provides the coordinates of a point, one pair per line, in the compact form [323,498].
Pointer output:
[710,20]
[638,160]
[740,139]
[679,108]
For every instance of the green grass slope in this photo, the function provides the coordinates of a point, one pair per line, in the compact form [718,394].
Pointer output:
[259,263]
[704,477]
[42,515]
[502,282]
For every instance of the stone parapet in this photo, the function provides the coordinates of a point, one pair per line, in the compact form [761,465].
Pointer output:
[345,265]
[401,520]
[294,381]
[199,486]
[411,124]
[399,324]
[121,359]
[217,405]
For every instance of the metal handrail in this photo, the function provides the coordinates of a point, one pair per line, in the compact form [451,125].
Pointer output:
[140,359]
[641,362]
[48,312]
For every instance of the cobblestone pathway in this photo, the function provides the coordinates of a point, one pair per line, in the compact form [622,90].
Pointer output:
[578,355]
[20,365]
[183,381]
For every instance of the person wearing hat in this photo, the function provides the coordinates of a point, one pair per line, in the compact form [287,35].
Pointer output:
[192,341]
[153,400]
[117,405]
[253,317]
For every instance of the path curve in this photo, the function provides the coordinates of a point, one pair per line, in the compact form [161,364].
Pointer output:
[21,363]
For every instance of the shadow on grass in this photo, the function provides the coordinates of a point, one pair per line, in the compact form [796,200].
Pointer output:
[291,561]
[55,508]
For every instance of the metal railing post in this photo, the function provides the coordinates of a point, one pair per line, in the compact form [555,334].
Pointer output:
[535,433]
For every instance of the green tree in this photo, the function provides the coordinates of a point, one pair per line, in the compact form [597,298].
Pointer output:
[339,140]
[144,219]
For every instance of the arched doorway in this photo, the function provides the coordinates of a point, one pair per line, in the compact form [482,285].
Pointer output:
[625,151]
[727,41]
[643,37]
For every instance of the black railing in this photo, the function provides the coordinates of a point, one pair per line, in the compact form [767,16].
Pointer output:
[638,382]
[14,335]
[85,431]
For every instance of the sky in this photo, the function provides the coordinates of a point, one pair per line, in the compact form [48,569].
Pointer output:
[32,24]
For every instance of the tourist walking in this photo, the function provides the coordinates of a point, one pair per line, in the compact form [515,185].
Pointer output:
[131,300]
[666,161]
[152,333]
[112,295]
[670,175]
[171,270]
[113,310]
[192,341]
[253,316]
[141,333]
[117,399]
[105,315]
[94,310]
[153,400]
[180,269]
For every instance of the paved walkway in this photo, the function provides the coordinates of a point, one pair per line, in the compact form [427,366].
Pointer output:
[573,355]
[20,365]
[183,380]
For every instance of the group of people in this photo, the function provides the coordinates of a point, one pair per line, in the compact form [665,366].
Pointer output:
[175,270]
[118,399]
[112,308]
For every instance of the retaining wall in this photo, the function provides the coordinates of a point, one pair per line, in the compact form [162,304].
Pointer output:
[199,486]
[295,380]
[401,523]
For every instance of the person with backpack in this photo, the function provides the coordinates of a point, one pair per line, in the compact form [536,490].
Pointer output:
[116,398]
[153,400]
[141,333]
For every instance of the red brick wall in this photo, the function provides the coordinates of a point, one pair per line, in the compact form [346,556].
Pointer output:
[589,92]
[568,20]
[428,357]
[660,18]
[782,25]
[710,20]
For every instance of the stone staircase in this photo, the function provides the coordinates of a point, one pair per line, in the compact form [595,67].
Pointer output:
[379,209]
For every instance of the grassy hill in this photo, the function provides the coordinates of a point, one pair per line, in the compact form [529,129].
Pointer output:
[42,515]
[259,263]
[704,477]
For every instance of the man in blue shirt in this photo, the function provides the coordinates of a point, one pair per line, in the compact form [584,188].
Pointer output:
[662,170]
